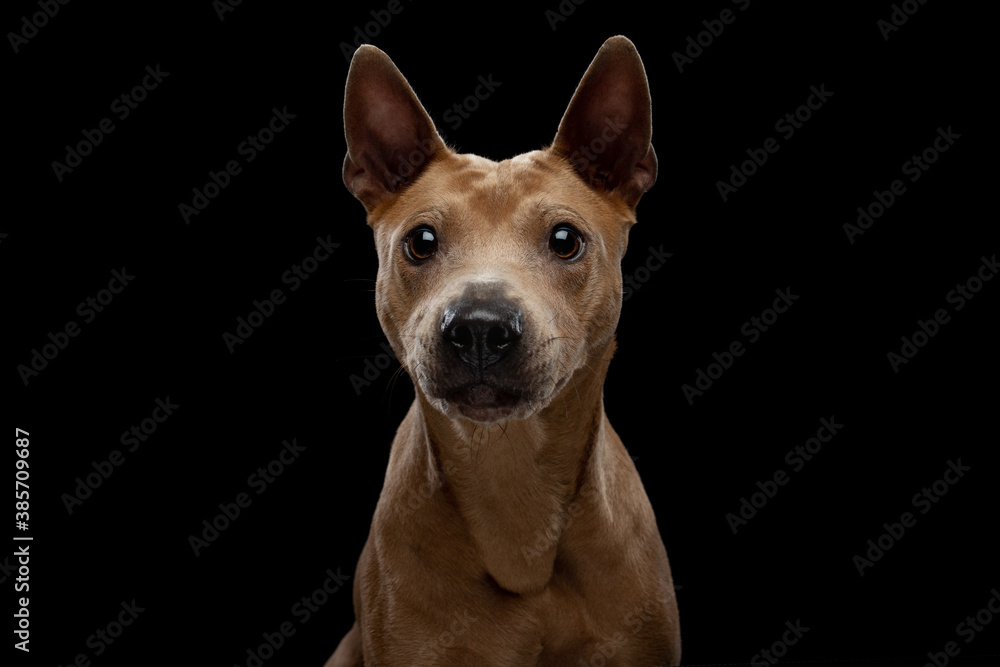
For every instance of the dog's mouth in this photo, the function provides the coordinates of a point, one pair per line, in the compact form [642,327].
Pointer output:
[484,403]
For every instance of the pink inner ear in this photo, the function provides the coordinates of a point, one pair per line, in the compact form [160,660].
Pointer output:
[387,129]
[613,96]
[384,123]
[379,114]
[606,129]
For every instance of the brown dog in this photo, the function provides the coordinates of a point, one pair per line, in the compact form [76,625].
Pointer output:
[512,528]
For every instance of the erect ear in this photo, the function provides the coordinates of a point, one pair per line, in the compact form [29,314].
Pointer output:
[390,137]
[606,129]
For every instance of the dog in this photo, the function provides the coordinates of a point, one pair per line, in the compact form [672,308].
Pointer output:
[512,527]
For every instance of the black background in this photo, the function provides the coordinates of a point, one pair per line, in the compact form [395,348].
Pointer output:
[825,357]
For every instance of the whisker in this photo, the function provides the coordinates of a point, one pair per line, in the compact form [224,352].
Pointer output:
[392,386]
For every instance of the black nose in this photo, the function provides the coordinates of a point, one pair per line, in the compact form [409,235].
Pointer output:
[481,332]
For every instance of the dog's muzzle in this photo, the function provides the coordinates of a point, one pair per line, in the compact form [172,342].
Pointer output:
[481,333]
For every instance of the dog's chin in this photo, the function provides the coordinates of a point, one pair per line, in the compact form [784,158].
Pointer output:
[492,399]
[482,403]
[486,404]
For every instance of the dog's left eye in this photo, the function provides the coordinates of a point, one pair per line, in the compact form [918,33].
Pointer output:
[421,243]
[566,242]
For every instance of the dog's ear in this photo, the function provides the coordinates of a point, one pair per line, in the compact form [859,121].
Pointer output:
[390,137]
[606,129]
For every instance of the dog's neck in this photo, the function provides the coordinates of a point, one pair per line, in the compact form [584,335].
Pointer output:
[513,482]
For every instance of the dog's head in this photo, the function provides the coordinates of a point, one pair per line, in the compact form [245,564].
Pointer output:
[497,281]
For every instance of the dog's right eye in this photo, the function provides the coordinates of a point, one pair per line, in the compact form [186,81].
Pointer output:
[421,243]
[566,242]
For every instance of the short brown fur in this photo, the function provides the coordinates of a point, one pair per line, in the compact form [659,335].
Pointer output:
[507,535]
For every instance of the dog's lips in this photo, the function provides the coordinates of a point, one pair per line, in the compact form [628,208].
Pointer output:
[481,402]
